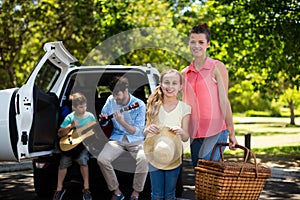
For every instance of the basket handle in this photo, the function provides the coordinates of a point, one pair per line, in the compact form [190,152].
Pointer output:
[240,147]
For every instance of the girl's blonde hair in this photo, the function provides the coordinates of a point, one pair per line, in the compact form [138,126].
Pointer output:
[155,100]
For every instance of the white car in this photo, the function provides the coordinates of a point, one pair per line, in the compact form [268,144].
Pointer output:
[31,115]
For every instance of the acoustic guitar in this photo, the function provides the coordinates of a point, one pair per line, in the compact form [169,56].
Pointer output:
[107,129]
[76,136]
[71,144]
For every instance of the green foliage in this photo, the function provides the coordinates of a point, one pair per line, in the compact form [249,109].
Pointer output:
[14,25]
[285,112]
[257,40]
[144,34]
[254,43]
[243,98]
[290,94]
[164,48]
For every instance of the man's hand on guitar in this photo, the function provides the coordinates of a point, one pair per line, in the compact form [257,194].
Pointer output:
[119,117]
[118,114]
[103,118]
[107,128]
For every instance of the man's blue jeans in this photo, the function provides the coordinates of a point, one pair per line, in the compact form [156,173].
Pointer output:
[163,183]
[196,145]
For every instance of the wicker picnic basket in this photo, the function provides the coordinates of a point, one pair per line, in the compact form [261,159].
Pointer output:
[230,180]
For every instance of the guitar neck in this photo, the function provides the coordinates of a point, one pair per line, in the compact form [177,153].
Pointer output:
[121,110]
[126,108]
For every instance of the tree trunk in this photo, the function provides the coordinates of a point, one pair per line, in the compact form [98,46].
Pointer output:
[291,106]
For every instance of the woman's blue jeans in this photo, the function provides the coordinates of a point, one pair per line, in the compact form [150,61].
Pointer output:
[196,145]
[163,183]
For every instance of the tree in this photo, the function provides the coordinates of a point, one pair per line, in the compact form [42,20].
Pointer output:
[14,21]
[81,25]
[145,35]
[258,36]
[250,37]
[27,25]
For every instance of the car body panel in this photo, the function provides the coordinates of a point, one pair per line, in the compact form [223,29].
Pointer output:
[8,137]
[25,103]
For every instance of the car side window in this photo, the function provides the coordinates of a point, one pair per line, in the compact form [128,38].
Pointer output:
[47,77]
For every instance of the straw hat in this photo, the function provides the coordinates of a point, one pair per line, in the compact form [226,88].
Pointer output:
[163,150]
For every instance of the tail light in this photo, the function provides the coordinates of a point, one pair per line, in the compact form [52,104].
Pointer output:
[41,165]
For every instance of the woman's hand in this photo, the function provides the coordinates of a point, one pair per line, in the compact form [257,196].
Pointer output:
[232,141]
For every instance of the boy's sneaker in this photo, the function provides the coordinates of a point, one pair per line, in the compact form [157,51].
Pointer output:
[86,194]
[58,195]
[118,197]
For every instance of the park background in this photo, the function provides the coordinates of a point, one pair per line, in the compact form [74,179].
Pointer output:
[257,41]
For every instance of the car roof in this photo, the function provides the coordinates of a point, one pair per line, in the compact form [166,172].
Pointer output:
[143,68]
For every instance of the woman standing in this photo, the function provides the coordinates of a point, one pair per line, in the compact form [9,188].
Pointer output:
[206,90]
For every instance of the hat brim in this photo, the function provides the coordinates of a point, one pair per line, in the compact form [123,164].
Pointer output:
[149,149]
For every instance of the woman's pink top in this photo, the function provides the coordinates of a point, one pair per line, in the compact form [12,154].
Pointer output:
[201,92]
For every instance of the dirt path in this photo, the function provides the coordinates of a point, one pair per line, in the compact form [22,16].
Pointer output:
[271,141]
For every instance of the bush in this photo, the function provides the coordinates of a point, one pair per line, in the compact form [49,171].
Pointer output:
[253,113]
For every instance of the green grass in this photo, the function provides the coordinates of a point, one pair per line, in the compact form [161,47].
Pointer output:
[253,113]
[265,133]
[187,155]
[290,151]
[284,112]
